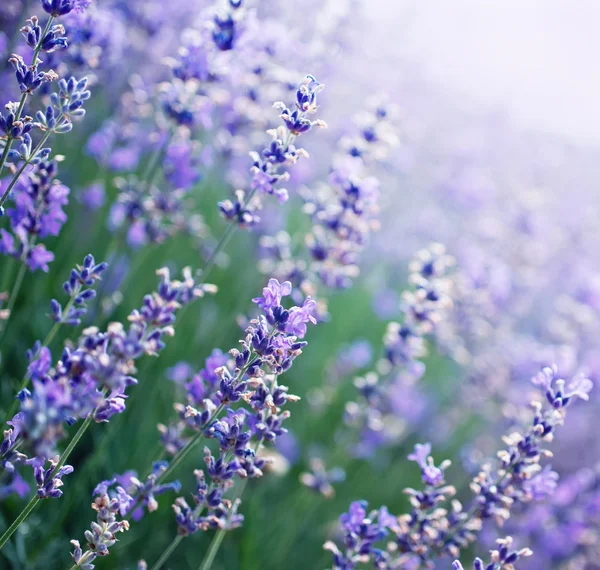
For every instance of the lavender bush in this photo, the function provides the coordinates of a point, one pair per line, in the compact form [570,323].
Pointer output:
[223,326]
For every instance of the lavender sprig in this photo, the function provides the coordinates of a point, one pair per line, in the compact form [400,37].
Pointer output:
[103,532]
[432,530]
[270,167]
[64,105]
[90,381]
[404,347]
[79,288]
[82,276]
[271,344]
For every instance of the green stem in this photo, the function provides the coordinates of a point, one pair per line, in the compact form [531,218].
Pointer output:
[215,544]
[15,525]
[5,153]
[168,551]
[212,260]
[82,429]
[210,263]
[213,549]
[13,297]
[34,501]
[25,164]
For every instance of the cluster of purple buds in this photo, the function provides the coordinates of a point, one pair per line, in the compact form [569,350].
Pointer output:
[151,215]
[503,558]
[93,376]
[320,479]
[211,509]
[79,288]
[64,105]
[375,133]
[362,533]
[270,168]
[135,495]
[37,213]
[102,534]
[186,100]
[49,480]
[11,126]
[30,79]
[513,480]
[423,308]
[58,8]
[427,515]
[225,30]
[53,40]
[498,488]
[249,376]
[404,347]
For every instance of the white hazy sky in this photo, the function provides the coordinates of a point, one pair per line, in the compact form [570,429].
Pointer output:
[539,58]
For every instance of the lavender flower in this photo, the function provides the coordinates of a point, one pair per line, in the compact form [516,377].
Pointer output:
[135,495]
[249,376]
[404,346]
[58,8]
[320,479]
[430,530]
[81,277]
[102,534]
[49,480]
[361,533]
[93,377]
[37,213]
[343,213]
[269,167]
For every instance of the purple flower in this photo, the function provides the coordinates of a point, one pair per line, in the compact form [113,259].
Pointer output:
[273,293]
[430,474]
[58,8]
[299,316]
[362,533]
[49,480]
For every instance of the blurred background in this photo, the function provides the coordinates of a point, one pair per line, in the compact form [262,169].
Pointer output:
[490,147]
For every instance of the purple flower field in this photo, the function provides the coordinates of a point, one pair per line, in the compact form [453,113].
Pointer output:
[271,298]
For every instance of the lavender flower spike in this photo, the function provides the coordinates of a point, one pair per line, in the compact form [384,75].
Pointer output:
[78,287]
[269,168]
[102,534]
